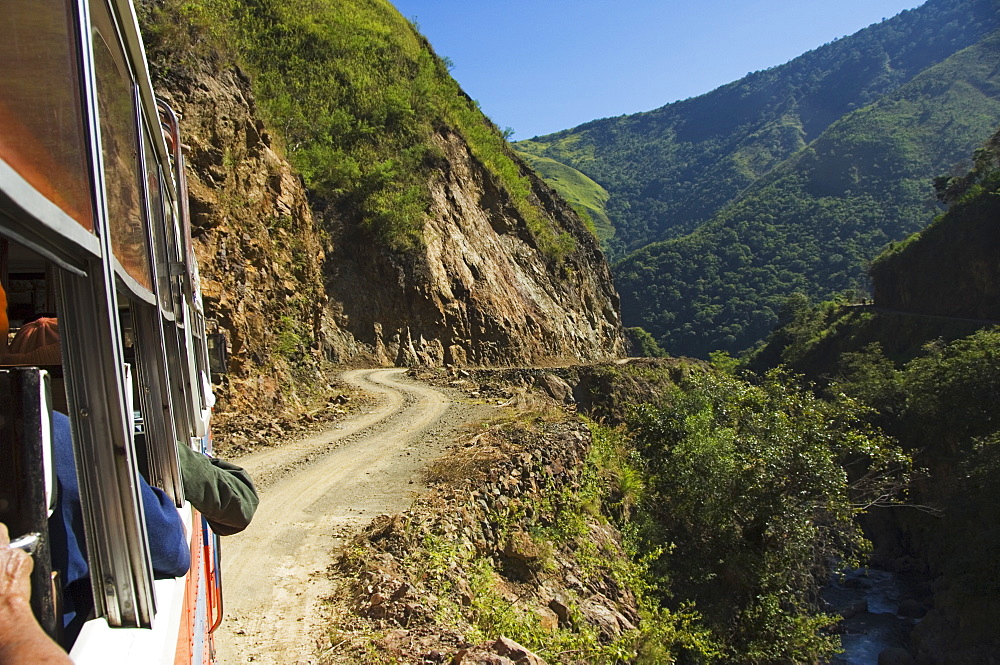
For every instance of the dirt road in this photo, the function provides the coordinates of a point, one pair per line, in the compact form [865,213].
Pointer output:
[313,493]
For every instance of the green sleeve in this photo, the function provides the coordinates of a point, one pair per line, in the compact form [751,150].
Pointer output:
[223,492]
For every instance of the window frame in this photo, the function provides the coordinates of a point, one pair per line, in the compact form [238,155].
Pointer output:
[92,287]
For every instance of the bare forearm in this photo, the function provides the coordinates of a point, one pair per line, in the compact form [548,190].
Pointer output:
[22,640]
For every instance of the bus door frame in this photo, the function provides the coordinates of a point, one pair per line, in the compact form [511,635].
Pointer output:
[27,480]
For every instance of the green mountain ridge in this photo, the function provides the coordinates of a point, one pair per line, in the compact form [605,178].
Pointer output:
[790,179]
[356,95]
[657,165]
[815,221]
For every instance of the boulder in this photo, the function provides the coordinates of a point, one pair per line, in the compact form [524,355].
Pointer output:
[456,355]
[520,546]
[560,605]
[609,622]
[857,607]
[556,388]
[547,618]
[467,657]
[508,648]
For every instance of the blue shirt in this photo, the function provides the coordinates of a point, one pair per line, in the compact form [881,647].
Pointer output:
[168,547]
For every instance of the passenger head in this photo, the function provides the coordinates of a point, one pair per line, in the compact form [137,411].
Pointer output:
[36,343]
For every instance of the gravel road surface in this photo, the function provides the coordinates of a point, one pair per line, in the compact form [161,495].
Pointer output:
[315,492]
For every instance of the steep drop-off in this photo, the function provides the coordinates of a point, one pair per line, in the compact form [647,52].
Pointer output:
[926,358]
[951,268]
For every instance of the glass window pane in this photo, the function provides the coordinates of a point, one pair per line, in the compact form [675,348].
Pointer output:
[158,213]
[165,234]
[120,148]
[41,117]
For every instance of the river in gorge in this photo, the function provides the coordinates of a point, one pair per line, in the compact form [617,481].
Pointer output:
[879,614]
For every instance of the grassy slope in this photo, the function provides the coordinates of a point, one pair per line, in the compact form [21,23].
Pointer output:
[355,94]
[585,195]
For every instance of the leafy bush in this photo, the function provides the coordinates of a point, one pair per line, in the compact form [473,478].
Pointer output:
[642,344]
[952,393]
[753,490]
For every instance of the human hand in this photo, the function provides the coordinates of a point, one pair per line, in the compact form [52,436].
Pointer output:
[15,568]
[22,640]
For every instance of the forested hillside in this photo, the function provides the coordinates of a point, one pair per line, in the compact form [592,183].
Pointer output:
[790,179]
[926,358]
[814,221]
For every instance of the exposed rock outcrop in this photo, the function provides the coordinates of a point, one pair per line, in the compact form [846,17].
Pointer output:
[258,249]
[481,292]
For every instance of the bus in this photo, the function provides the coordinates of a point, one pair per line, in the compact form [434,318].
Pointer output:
[95,233]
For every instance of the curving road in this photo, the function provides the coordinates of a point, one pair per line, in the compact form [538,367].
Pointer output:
[314,492]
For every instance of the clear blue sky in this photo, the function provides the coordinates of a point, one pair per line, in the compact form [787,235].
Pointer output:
[539,66]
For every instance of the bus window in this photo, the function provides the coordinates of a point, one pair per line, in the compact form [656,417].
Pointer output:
[93,229]
[160,215]
[29,299]
[41,120]
[156,440]
[120,148]
[35,341]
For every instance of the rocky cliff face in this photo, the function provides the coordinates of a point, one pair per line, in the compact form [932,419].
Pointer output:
[480,292]
[293,293]
[259,254]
